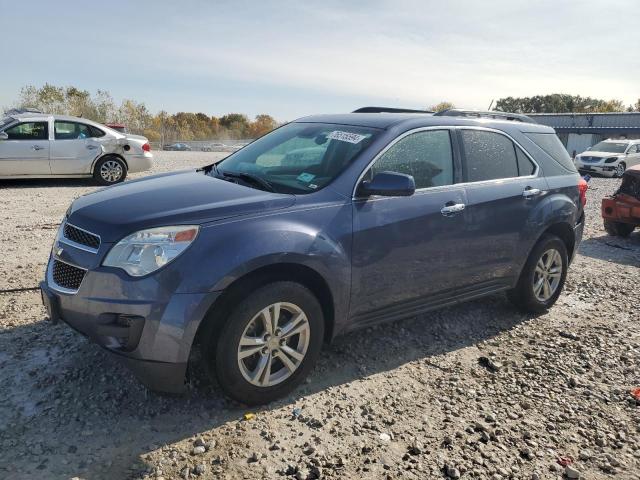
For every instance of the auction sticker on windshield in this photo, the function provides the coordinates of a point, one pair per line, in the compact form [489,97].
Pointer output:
[346,136]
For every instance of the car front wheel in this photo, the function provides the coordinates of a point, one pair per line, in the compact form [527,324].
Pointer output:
[620,169]
[542,277]
[269,343]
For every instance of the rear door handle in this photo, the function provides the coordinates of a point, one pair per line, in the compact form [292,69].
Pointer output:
[37,147]
[452,208]
[91,147]
[531,192]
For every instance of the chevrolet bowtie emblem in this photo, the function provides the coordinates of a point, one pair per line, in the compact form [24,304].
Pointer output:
[58,251]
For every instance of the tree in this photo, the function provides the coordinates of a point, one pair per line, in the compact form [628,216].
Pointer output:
[262,125]
[161,127]
[439,107]
[558,103]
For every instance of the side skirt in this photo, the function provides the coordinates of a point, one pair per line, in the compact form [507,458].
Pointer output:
[418,306]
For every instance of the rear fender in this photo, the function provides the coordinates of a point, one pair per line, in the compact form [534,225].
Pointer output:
[553,209]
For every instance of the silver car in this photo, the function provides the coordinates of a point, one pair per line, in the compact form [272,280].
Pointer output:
[37,145]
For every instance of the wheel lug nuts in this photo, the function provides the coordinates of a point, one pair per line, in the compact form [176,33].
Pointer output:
[265,350]
[278,332]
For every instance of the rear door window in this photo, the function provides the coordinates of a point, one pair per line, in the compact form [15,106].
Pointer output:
[525,165]
[29,131]
[71,131]
[488,156]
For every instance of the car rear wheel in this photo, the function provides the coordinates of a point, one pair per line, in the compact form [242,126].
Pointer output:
[269,343]
[109,170]
[543,276]
[618,229]
[620,169]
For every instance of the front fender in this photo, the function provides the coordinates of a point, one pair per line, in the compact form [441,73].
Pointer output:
[319,239]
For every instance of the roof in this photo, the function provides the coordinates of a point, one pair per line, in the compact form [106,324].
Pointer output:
[628,121]
[415,120]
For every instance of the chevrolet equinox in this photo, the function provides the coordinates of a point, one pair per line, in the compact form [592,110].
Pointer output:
[326,224]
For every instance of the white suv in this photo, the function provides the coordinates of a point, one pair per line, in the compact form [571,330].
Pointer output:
[610,157]
[34,145]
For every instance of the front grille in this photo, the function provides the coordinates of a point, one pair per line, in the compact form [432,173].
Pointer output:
[80,236]
[591,159]
[67,276]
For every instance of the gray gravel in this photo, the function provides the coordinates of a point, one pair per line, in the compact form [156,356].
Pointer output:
[474,391]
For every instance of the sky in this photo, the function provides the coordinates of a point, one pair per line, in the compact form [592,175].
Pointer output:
[295,58]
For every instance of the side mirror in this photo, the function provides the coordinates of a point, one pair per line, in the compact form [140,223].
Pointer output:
[388,184]
[4,136]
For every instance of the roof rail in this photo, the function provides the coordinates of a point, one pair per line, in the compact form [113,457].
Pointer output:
[516,117]
[388,110]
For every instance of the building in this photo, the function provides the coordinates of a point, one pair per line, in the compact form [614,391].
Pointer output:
[579,131]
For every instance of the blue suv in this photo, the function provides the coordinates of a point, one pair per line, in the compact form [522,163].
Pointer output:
[327,224]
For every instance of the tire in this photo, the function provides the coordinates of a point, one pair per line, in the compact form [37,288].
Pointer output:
[618,229]
[525,295]
[243,379]
[620,169]
[109,170]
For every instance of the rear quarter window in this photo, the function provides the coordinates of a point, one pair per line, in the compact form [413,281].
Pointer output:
[551,144]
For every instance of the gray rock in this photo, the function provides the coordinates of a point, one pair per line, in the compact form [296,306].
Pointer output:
[199,450]
[571,472]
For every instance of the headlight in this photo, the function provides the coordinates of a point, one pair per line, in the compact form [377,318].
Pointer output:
[611,159]
[146,251]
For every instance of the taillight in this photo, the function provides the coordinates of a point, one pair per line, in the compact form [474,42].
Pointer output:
[583,186]
[146,147]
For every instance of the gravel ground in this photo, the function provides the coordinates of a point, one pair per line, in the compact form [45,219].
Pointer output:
[474,391]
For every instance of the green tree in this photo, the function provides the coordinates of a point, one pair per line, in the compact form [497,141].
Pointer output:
[558,103]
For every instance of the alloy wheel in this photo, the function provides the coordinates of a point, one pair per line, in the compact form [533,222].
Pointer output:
[111,171]
[547,275]
[273,344]
[620,170]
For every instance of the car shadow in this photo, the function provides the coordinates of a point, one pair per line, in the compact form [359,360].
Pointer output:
[620,250]
[47,182]
[93,419]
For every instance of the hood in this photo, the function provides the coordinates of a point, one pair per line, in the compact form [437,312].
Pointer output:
[589,153]
[177,198]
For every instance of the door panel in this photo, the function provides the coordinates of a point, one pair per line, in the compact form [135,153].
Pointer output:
[498,173]
[73,157]
[404,248]
[73,149]
[497,216]
[26,152]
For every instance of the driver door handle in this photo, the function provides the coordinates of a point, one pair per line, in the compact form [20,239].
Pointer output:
[531,192]
[37,147]
[452,208]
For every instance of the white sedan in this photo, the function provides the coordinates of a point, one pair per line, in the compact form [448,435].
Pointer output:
[610,157]
[37,145]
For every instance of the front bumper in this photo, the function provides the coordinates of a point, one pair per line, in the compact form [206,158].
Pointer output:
[147,326]
[606,169]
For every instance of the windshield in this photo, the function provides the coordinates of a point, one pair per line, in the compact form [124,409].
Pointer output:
[298,157]
[611,147]
[5,121]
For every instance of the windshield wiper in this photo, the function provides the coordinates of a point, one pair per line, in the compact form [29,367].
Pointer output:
[247,177]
